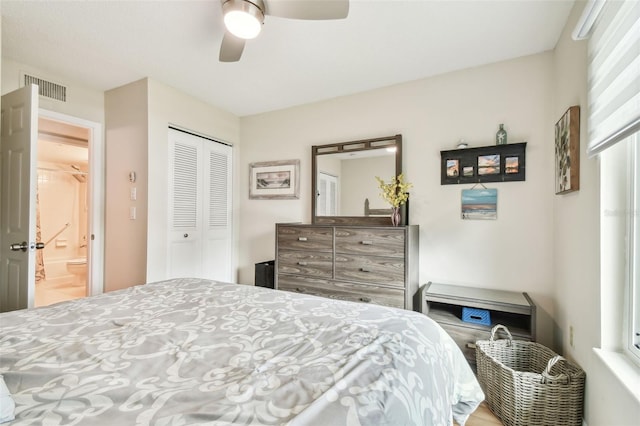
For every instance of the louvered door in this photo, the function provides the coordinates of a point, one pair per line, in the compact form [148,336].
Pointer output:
[217,211]
[199,208]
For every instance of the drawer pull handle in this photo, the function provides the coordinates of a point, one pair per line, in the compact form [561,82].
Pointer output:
[302,263]
[365,299]
[367,243]
[302,238]
[471,345]
[300,290]
[365,270]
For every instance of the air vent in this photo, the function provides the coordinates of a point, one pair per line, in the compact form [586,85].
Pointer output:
[46,88]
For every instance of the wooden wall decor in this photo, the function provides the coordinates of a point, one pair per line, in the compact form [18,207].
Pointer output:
[495,163]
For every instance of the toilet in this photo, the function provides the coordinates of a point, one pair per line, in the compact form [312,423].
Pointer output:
[78,267]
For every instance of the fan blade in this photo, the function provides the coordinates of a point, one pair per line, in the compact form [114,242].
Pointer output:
[231,48]
[308,9]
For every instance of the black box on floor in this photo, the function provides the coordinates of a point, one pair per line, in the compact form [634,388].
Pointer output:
[264,273]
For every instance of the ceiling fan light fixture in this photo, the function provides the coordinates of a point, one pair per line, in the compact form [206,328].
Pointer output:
[243,18]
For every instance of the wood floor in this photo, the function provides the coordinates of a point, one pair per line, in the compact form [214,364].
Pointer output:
[483,417]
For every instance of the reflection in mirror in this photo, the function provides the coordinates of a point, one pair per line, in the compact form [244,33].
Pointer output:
[344,179]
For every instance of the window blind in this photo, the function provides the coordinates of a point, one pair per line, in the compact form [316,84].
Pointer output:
[614,74]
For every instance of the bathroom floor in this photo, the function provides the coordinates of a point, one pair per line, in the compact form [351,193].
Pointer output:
[48,293]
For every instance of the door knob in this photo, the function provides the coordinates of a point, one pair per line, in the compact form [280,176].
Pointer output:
[24,246]
[19,246]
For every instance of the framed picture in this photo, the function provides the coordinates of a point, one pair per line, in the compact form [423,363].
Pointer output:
[480,204]
[567,149]
[453,168]
[492,163]
[511,165]
[467,171]
[274,180]
[489,164]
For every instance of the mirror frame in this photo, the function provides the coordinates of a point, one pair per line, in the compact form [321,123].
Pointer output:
[352,146]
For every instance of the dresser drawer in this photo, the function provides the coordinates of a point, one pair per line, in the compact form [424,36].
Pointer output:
[466,337]
[317,264]
[305,238]
[378,242]
[343,291]
[370,269]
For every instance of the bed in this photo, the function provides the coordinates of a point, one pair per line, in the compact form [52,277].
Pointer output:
[194,351]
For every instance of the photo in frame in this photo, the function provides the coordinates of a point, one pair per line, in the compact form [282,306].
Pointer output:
[489,164]
[274,180]
[567,151]
[467,171]
[480,204]
[453,168]
[511,165]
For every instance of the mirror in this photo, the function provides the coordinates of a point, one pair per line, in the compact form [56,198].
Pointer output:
[344,183]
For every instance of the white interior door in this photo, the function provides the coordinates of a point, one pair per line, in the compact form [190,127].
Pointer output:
[185,223]
[18,154]
[217,260]
[327,204]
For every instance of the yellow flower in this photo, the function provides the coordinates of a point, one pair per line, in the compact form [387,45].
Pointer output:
[394,192]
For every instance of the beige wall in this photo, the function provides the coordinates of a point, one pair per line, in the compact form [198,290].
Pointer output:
[138,119]
[126,151]
[513,252]
[576,211]
[358,182]
[168,106]
[82,102]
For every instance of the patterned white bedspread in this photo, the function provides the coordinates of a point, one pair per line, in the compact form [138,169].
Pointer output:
[192,351]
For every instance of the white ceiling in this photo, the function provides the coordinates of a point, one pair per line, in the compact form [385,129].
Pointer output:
[105,44]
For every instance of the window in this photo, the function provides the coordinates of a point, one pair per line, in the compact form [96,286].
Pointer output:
[613,29]
[632,329]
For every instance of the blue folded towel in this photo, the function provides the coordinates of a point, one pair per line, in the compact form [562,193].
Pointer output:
[7,404]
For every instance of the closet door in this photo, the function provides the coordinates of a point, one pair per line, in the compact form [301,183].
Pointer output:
[217,243]
[199,208]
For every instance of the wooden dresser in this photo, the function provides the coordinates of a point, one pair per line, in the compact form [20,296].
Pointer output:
[371,264]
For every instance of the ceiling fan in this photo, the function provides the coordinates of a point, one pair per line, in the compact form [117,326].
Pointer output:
[243,19]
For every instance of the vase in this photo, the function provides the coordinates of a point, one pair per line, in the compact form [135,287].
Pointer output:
[395,216]
[501,136]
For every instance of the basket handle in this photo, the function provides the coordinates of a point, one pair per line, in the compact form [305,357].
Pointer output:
[496,328]
[545,374]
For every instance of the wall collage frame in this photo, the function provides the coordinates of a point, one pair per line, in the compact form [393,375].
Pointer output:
[495,163]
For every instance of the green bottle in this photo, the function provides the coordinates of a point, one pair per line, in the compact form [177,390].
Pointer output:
[501,136]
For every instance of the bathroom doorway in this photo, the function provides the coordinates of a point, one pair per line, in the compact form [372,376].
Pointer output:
[62,211]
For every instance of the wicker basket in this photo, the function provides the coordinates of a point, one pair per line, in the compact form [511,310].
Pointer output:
[527,384]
